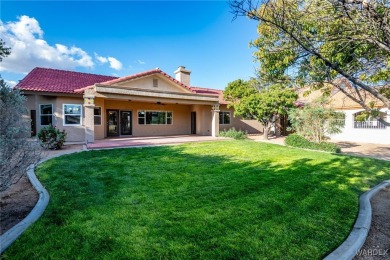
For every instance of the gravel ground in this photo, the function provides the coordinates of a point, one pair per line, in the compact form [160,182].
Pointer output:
[377,245]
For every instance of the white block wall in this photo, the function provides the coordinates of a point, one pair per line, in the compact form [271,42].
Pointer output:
[363,135]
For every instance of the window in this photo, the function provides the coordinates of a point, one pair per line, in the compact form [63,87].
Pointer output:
[141,117]
[155,118]
[46,114]
[224,118]
[97,115]
[72,114]
[169,118]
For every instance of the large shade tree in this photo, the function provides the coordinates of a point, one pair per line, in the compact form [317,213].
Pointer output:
[322,43]
[265,105]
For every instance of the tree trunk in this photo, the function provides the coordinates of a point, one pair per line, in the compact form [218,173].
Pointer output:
[267,127]
[265,133]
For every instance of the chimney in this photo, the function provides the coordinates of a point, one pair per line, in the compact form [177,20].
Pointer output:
[183,75]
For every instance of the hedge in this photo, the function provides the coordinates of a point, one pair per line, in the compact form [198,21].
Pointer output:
[299,141]
[233,133]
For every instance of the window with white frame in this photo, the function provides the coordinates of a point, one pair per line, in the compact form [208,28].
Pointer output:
[46,114]
[72,114]
[224,117]
[155,117]
[97,115]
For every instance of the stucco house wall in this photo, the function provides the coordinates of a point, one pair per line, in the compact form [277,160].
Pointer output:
[238,123]
[74,133]
[203,119]
[100,130]
[148,84]
[180,123]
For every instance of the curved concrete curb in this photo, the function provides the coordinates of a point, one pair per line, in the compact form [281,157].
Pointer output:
[354,242]
[11,235]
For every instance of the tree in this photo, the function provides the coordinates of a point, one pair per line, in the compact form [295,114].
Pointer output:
[265,105]
[315,121]
[321,43]
[16,151]
[4,51]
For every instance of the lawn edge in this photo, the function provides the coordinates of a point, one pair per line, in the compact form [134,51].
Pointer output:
[354,242]
[9,237]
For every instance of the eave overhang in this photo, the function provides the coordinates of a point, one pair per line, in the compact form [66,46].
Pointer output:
[99,88]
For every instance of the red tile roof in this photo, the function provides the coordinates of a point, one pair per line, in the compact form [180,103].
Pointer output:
[209,91]
[58,81]
[62,81]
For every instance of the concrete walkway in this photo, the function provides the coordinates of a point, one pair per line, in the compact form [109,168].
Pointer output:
[271,140]
[378,151]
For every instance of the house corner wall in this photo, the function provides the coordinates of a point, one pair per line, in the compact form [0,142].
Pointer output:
[238,123]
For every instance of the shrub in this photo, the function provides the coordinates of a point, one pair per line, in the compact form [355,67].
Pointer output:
[315,121]
[299,141]
[233,133]
[51,138]
[17,150]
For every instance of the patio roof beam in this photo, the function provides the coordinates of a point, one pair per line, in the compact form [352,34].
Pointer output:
[132,98]
[153,96]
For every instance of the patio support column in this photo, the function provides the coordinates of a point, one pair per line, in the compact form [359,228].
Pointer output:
[215,121]
[89,124]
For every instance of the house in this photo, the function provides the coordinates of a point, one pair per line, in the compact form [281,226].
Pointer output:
[370,130]
[152,103]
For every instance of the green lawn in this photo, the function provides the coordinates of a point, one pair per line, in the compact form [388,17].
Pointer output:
[213,200]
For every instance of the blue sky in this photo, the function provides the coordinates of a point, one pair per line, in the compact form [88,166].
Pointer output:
[126,37]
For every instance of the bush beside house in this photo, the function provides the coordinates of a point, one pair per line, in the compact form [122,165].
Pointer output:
[301,142]
[233,133]
[51,137]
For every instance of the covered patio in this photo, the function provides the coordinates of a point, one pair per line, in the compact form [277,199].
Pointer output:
[147,104]
[149,141]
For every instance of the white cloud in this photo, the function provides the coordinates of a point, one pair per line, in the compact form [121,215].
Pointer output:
[101,59]
[29,49]
[11,83]
[114,63]
[141,62]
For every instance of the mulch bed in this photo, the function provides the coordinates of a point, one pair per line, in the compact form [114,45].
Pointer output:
[16,203]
